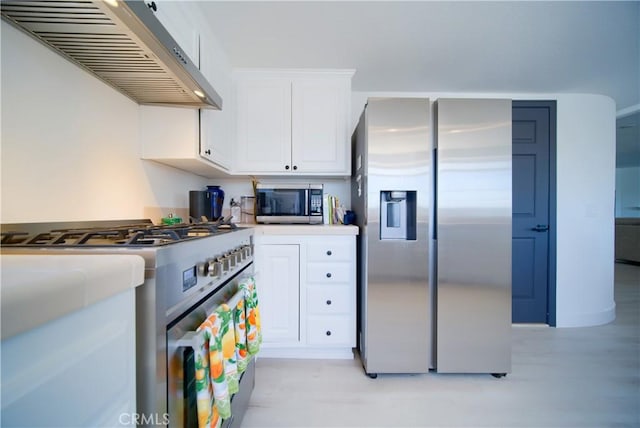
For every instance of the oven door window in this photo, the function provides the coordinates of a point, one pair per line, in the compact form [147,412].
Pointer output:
[282,202]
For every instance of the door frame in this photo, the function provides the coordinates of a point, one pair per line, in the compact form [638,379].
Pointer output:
[551,253]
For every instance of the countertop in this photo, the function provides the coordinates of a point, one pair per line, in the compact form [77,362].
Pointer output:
[36,289]
[303,229]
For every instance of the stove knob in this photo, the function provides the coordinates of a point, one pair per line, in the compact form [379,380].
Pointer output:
[203,268]
[239,255]
[243,251]
[247,251]
[226,264]
[232,260]
[215,269]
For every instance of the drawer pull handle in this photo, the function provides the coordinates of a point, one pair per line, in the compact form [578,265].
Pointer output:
[328,302]
[329,275]
[328,252]
[328,333]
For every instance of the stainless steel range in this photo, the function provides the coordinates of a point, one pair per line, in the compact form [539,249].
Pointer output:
[189,270]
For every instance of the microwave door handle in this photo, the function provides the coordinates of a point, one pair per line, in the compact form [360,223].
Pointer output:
[306,202]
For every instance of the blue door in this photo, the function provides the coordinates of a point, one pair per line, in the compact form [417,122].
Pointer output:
[533,140]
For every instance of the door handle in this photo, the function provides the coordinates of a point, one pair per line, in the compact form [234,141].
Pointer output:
[540,228]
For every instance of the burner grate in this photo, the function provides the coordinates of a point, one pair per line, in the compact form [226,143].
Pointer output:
[126,235]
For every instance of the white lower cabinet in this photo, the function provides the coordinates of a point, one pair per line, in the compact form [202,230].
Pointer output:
[279,278]
[322,322]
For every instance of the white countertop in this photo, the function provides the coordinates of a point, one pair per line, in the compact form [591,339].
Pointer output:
[39,288]
[303,229]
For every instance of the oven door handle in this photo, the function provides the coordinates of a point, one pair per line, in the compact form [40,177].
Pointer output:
[188,340]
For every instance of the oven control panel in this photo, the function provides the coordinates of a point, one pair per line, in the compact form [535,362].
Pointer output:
[201,266]
[225,263]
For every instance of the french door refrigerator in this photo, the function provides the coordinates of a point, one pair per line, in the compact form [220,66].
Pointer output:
[433,204]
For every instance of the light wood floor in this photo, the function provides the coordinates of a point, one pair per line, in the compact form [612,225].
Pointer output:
[569,377]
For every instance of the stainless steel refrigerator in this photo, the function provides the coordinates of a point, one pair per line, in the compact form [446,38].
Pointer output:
[433,204]
[391,196]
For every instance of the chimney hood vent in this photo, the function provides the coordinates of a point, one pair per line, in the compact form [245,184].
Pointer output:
[120,42]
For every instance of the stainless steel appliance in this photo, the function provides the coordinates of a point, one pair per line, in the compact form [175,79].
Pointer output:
[391,195]
[120,42]
[289,203]
[189,269]
[473,235]
[434,250]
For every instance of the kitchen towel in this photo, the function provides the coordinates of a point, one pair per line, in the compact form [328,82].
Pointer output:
[254,333]
[240,327]
[208,415]
[228,338]
[213,334]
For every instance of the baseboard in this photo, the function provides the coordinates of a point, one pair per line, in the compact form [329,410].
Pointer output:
[587,319]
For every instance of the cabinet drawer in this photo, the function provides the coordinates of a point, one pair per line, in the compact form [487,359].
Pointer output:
[329,273]
[329,299]
[331,250]
[330,330]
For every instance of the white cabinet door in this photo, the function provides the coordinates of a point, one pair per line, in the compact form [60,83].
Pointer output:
[170,135]
[320,132]
[279,288]
[216,126]
[264,126]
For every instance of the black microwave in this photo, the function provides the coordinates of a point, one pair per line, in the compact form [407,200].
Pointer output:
[289,203]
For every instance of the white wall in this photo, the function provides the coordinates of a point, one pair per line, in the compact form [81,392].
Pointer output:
[70,144]
[628,192]
[586,162]
[585,200]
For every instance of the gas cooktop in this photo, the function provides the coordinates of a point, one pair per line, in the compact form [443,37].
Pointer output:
[123,233]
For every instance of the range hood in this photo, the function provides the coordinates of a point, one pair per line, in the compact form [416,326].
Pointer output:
[120,42]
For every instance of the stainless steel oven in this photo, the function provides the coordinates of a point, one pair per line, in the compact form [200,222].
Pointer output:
[289,203]
[189,269]
[182,394]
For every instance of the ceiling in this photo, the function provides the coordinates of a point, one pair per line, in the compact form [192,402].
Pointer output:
[454,46]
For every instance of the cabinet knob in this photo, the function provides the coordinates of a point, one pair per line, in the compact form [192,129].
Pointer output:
[286,167]
[208,151]
[295,167]
[328,302]
[153,6]
[328,274]
[328,333]
[329,253]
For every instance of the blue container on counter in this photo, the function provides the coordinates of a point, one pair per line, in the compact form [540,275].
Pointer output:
[217,199]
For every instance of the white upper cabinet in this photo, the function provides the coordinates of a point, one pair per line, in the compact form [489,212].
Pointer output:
[320,125]
[264,125]
[197,141]
[292,123]
[217,126]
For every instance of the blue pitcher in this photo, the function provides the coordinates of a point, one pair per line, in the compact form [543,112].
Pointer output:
[217,199]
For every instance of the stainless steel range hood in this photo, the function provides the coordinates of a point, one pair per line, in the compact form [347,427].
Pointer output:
[122,43]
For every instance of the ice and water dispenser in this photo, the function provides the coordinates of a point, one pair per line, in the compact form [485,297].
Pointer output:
[398,215]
